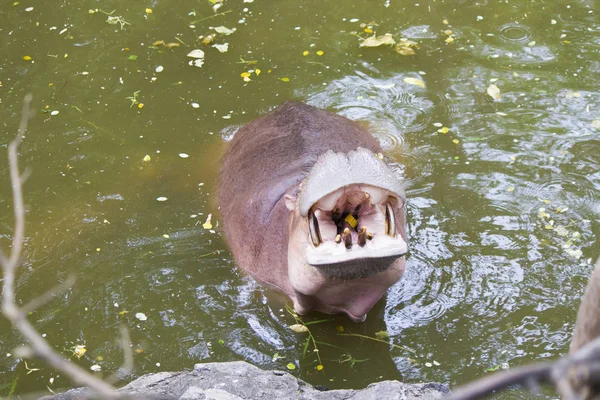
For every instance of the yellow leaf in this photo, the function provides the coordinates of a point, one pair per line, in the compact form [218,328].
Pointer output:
[319,367]
[141,105]
[414,81]
[375,41]
[443,130]
[493,92]
[299,328]
[339,328]
[27,58]
[79,350]
[291,366]
[148,11]
[245,74]
[305,53]
[207,224]
[257,71]
[368,30]
[455,141]
[449,40]
[171,45]
[285,79]
[320,52]
[147,158]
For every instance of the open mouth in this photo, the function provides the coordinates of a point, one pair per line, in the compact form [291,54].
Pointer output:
[355,222]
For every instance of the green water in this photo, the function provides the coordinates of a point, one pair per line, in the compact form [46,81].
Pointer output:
[487,283]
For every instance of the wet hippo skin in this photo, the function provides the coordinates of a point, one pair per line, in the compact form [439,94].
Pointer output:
[309,207]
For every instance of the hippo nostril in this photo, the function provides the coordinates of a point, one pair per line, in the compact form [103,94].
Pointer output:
[313,229]
[390,220]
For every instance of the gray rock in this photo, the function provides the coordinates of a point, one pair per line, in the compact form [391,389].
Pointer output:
[242,381]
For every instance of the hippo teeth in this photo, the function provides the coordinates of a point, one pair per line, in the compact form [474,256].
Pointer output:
[347,238]
[313,229]
[390,220]
[362,236]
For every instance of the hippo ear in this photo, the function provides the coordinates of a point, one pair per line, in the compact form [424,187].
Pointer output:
[290,201]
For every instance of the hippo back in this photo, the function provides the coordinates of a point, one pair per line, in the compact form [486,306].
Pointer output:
[267,159]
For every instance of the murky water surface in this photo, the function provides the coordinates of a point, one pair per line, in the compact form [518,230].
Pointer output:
[503,193]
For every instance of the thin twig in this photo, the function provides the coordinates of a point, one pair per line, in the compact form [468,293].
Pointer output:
[127,367]
[17,316]
[46,297]
[568,375]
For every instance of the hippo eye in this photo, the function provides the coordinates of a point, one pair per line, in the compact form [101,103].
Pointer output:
[390,220]
[313,229]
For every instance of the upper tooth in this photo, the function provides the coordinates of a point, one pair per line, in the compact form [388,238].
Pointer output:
[377,195]
[390,220]
[313,229]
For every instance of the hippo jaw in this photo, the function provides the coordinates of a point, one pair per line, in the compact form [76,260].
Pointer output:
[353,232]
[346,234]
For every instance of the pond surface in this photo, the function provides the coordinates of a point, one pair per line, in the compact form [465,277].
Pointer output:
[496,134]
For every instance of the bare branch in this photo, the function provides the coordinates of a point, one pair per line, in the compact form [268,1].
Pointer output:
[17,316]
[570,376]
[127,367]
[46,297]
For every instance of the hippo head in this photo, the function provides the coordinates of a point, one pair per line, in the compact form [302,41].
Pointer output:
[347,237]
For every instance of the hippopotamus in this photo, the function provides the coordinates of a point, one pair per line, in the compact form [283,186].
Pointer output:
[311,208]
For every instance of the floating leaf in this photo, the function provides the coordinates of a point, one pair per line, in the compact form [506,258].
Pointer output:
[147,158]
[207,224]
[291,366]
[284,79]
[148,11]
[298,328]
[223,30]
[141,316]
[375,41]
[574,253]
[79,350]
[221,47]
[319,367]
[305,53]
[406,47]
[320,53]
[196,54]
[493,92]
[414,81]
[382,335]
[443,130]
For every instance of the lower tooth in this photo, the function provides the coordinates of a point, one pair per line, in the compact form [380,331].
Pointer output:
[362,236]
[347,238]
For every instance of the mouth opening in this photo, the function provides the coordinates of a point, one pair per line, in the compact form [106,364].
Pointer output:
[354,222]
